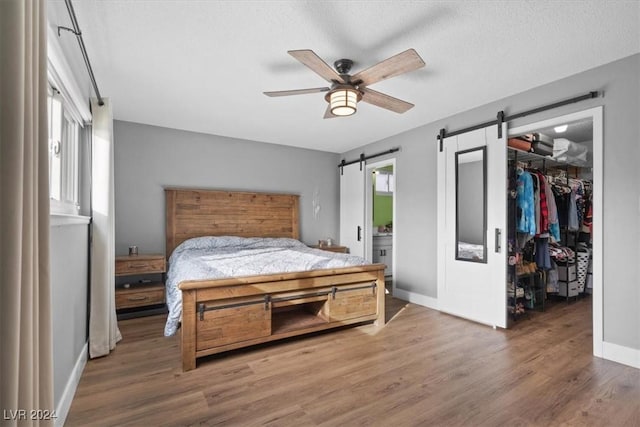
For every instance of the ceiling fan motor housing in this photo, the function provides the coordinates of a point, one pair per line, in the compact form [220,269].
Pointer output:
[343,66]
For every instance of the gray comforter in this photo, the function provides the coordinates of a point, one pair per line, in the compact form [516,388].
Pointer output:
[218,257]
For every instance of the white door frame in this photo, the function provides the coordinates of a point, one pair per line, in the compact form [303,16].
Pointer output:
[598,173]
[368,215]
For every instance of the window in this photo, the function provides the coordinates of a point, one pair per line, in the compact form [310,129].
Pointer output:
[64,134]
[385,182]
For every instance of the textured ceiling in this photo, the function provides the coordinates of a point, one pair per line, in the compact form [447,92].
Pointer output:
[203,65]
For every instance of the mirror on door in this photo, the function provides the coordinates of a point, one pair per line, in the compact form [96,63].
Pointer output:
[471,205]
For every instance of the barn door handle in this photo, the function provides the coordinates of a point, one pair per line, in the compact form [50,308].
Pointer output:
[359,233]
[498,235]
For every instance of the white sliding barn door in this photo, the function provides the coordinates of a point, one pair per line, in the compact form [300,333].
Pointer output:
[472,172]
[352,208]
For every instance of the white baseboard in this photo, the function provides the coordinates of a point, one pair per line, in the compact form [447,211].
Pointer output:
[70,389]
[419,299]
[617,353]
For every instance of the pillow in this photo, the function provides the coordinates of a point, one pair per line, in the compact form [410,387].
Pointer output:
[215,242]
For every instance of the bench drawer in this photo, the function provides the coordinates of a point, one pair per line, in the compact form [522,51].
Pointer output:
[349,302]
[239,320]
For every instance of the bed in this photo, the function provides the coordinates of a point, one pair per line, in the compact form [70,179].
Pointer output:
[470,251]
[222,307]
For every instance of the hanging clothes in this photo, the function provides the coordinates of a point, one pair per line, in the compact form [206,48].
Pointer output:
[552,211]
[554,231]
[580,202]
[544,208]
[525,201]
[562,196]
[543,255]
[536,200]
[587,223]
[573,223]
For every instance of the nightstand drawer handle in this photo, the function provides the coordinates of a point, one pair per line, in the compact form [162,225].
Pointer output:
[140,298]
[137,265]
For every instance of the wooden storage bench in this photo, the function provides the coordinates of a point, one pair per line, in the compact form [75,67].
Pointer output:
[225,314]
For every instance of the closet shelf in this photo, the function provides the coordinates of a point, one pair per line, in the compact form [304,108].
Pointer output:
[526,156]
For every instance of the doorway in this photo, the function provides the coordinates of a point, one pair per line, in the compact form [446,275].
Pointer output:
[585,129]
[380,214]
[466,286]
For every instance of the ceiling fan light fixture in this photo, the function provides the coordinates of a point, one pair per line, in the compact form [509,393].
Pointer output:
[343,101]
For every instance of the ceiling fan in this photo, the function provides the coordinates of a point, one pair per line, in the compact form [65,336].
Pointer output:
[347,90]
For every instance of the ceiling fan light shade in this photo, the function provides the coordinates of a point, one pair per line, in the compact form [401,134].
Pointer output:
[343,102]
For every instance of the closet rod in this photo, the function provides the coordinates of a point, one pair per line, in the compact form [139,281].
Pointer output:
[502,118]
[76,30]
[363,158]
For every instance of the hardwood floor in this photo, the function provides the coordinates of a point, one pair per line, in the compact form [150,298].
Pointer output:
[422,368]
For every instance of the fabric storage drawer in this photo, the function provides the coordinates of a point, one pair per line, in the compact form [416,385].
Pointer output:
[568,289]
[567,273]
[582,266]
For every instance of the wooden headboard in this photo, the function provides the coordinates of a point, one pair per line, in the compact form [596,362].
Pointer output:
[195,213]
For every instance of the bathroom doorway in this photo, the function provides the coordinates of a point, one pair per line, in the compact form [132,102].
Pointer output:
[380,214]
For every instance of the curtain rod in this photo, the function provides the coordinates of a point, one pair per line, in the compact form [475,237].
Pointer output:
[76,30]
[363,158]
[502,118]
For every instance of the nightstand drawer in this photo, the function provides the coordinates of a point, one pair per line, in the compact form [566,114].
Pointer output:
[139,266]
[139,296]
[332,248]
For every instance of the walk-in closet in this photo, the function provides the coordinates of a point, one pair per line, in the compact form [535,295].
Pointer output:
[550,218]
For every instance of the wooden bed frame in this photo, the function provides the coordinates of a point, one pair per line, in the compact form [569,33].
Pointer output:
[224,314]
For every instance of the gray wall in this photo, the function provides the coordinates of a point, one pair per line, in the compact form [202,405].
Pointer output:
[69,268]
[148,158]
[69,254]
[70,283]
[416,186]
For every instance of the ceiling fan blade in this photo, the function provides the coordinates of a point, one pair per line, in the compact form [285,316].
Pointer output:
[296,91]
[316,64]
[384,101]
[401,63]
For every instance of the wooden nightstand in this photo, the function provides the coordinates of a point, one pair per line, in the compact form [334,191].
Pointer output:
[332,248]
[140,285]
